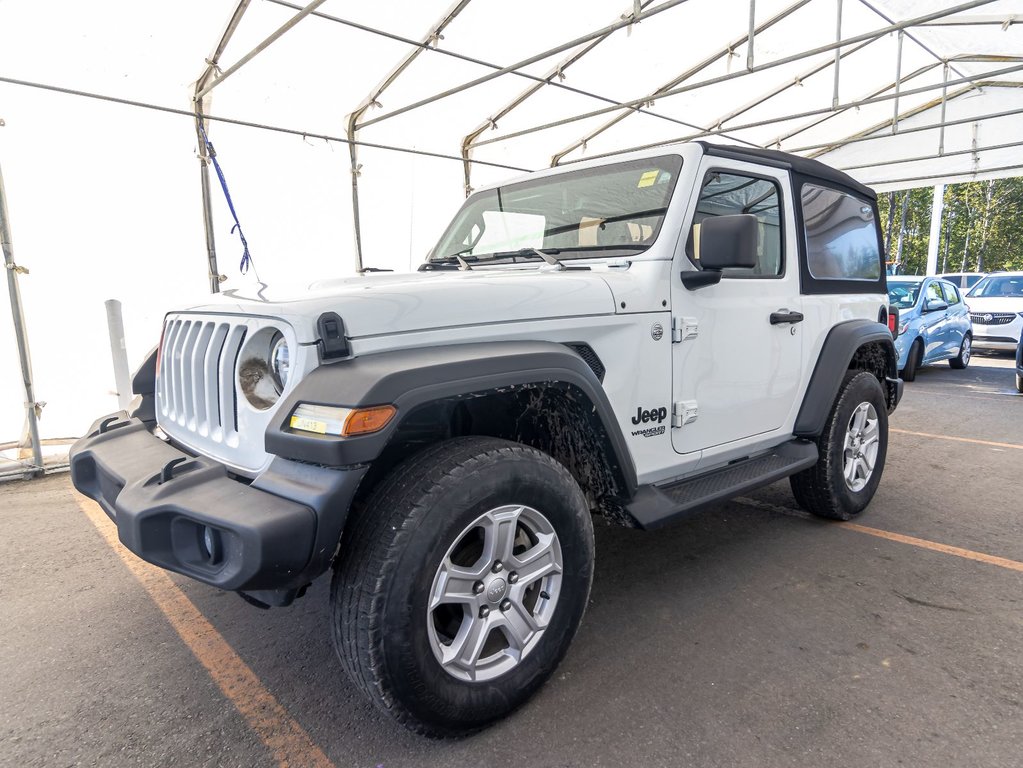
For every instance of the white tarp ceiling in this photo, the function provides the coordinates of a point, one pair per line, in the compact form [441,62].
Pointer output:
[105,198]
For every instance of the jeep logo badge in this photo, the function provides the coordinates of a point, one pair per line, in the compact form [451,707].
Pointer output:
[496,590]
[656,415]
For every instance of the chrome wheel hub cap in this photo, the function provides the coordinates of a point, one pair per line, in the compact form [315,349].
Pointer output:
[859,452]
[494,593]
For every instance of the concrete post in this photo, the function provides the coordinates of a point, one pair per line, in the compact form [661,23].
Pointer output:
[122,380]
[934,241]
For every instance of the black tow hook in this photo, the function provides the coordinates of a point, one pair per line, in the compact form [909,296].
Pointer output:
[105,424]
[167,473]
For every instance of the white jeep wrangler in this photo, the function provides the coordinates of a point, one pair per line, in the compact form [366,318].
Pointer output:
[640,338]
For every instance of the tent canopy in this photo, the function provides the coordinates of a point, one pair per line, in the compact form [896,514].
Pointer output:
[439,97]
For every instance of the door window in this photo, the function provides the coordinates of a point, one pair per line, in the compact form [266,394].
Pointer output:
[951,293]
[726,194]
[933,292]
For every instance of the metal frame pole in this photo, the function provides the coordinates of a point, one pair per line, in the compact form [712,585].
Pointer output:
[838,55]
[972,84]
[433,36]
[874,35]
[201,106]
[627,22]
[267,42]
[556,72]
[676,81]
[944,101]
[32,407]
[898,83]
[752,32]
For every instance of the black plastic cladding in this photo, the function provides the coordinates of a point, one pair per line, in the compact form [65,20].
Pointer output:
[839,348]
[412,377]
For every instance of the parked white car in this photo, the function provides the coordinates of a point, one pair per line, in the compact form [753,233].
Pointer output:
[996,309]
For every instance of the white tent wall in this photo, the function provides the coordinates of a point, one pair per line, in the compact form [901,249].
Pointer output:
[105,198]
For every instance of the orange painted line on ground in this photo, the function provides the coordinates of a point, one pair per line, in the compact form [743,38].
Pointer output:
[947,549]
[969,554]
[282,735]
[958,439]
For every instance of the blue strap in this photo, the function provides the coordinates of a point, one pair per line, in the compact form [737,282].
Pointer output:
[246,256]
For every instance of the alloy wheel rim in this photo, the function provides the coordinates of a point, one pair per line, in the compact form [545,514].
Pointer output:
[859,450]
[494,593]
[967,350]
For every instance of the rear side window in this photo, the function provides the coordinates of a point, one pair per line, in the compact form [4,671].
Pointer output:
[841,236]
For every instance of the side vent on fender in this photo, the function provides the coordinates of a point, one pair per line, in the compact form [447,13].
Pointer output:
[590,358]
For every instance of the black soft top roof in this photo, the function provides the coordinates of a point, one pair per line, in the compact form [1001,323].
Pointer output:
[802,165]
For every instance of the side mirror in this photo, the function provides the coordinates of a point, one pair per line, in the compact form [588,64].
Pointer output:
[935,305]
[723,242]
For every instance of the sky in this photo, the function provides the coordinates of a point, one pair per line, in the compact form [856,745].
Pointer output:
[104,199]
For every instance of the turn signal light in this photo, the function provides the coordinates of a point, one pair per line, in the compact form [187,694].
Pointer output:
[341,422]
[363,421]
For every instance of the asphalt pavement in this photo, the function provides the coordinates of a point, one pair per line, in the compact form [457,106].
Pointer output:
[750,635]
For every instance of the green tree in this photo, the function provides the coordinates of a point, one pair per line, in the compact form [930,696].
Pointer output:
[981,228]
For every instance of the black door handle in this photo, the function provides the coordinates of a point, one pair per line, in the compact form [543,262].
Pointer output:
[784,316]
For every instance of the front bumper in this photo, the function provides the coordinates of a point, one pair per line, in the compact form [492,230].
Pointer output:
[998,337]
[274,535]
[995,343]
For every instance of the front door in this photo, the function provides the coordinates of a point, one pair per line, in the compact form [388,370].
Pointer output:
[933,324]
[736,373]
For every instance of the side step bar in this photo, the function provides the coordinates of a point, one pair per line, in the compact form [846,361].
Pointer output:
[655,505]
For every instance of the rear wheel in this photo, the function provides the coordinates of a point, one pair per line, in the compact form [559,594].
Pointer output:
[1019,383]
[462,583]
[965,351]
[852,449]
[913,361]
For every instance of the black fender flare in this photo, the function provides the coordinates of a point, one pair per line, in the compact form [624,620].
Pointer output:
[409,378]
[839,347]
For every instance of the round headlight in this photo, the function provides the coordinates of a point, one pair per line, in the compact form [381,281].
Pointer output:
[279,362]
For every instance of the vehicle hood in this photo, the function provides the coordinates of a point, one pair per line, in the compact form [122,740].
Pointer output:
[995,304]
[377,304]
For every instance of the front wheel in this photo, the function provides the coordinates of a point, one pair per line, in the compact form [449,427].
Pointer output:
[965,351]
[462,582]
[852,450]
[1019,383]
[914,360]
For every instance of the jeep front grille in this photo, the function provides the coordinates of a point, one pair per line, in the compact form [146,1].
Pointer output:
[992,318]
[195,389]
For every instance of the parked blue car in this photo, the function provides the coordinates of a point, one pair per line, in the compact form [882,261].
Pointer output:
[934,323]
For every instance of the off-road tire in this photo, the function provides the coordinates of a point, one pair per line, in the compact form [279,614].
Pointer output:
[390,554]
[822,489]
[965,354]
[913,361]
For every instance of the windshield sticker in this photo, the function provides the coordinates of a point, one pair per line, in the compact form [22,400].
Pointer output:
[648,179]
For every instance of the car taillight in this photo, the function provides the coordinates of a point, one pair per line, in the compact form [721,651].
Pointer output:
[893,322]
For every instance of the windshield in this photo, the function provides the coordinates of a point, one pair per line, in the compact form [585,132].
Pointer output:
[903,295]
[1010,286]
[616,207]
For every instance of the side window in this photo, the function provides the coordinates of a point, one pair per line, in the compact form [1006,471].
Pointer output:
[724,194]
[841,235]
[951,293]
[933,292]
